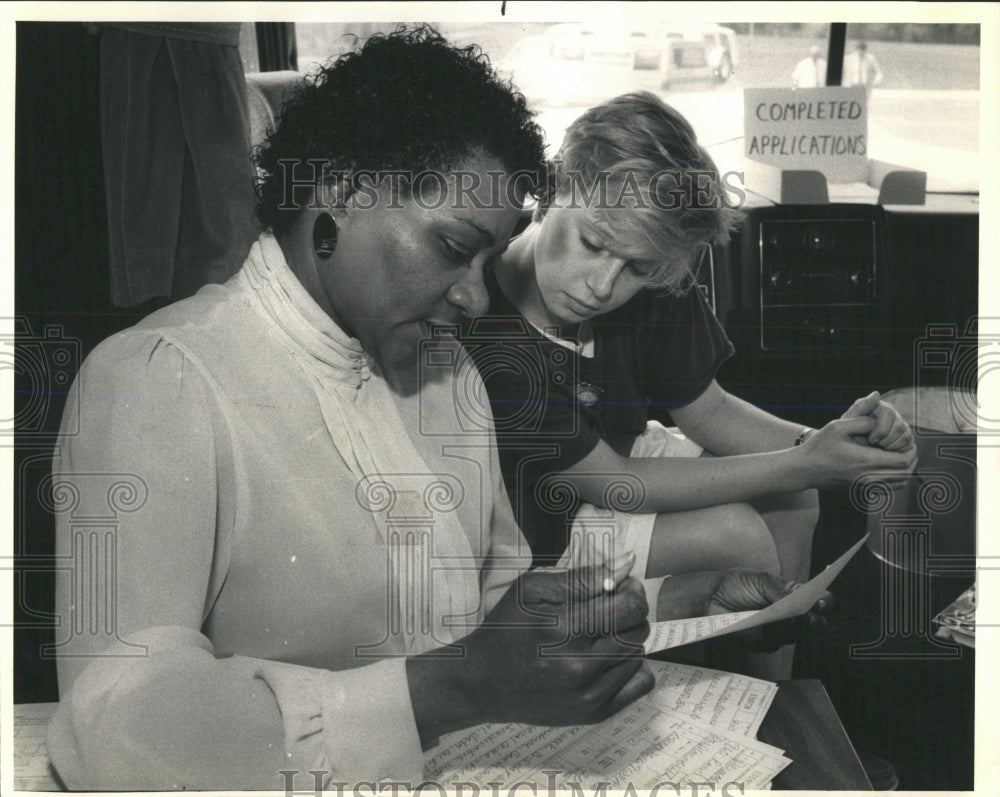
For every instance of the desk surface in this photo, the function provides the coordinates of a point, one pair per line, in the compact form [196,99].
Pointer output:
[801,721]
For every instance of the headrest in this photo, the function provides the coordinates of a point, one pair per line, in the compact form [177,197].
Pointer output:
[266,91]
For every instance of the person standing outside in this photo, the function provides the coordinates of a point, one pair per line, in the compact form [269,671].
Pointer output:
[810,72]
[861,68]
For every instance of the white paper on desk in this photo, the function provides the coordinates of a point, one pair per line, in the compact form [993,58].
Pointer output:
[31,763]
[671,633]
[677,733]
[680,752]
[722,701]
[662,746]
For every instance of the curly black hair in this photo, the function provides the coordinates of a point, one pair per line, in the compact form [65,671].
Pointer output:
[405,101]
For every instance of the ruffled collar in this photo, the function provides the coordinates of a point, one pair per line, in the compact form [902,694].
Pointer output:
[365,427]
[313,335]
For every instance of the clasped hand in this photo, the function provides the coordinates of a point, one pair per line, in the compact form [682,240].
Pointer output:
[890,431]
[871,438]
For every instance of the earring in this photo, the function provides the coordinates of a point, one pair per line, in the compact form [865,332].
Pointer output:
[324,235]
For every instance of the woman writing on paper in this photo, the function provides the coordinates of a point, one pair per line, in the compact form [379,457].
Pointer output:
[314,567]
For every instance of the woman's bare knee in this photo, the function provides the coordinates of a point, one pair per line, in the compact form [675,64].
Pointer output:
[799,510]
[715,538]
[748,540]
[792,519]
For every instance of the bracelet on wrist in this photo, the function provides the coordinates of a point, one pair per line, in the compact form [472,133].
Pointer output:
[804,435]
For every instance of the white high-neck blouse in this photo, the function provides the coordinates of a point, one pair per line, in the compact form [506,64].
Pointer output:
[241,610]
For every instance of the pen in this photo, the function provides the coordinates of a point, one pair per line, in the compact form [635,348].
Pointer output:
[620,567]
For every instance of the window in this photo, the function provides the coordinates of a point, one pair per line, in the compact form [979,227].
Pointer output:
[923,110]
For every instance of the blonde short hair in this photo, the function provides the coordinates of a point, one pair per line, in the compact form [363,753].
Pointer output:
[636,162]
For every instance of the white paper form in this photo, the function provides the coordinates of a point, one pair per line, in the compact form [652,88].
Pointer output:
[31,764]
[722,701]
[672,633]
[657,747]
[672,749]
[662,738]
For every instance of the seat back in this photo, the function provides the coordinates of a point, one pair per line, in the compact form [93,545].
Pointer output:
[266,92]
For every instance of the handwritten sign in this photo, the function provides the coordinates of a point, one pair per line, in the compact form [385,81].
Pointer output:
[825,129]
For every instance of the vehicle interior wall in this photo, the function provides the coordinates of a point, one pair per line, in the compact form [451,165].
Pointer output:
[929,274]
[61,295]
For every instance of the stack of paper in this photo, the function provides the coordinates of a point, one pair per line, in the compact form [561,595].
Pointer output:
[696,725]
[31,762]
